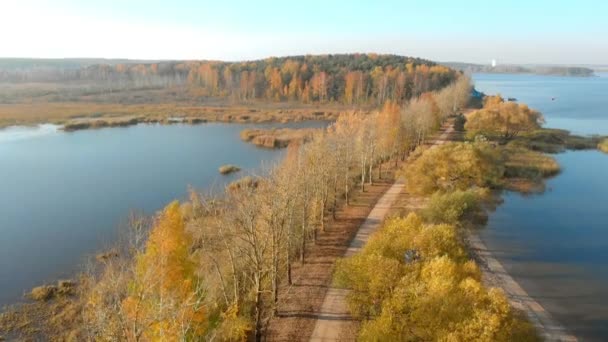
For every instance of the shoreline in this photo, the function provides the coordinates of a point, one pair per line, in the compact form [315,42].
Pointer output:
[495,275]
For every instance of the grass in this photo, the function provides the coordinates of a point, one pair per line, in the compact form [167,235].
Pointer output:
[79,115]
[243,183]
[526,163]
[525,170]
[603,146]
[30,104]
[277,138]
[228,169]
[554,141]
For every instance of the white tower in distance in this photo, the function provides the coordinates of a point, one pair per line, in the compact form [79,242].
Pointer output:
[493,63]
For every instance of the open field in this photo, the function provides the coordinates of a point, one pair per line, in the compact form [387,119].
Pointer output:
[79,115]
[81,106]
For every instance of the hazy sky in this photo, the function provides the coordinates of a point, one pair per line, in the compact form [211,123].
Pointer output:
[551,31]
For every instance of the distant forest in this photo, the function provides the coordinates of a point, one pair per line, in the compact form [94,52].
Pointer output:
[344,78]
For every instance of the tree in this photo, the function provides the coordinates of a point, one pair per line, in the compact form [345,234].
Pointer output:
[165,300]
[454,166]
[502,120]
[435,295]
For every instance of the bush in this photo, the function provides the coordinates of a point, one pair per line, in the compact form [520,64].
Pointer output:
[459,123]
[454,166]
[451,207]
[603,146]
[43,293]
[227,169]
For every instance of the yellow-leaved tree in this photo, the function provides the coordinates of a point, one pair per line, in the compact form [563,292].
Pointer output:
[454,166]
[414,282]
[165,301]
[502,120]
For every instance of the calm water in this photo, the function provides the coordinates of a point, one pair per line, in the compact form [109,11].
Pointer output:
[556,244]
[579,104]
[63,195]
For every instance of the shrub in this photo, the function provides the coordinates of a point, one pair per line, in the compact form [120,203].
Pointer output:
[43,293]
[459,123]
[454,166]
[451,207]
[603,146]
[227,169]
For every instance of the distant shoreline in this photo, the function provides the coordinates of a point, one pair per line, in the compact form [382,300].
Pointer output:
[541,70]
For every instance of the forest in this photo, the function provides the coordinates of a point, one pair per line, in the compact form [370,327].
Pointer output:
[346,78]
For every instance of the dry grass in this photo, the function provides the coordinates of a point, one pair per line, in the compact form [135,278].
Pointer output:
[228,169]
[82,112]
[521,162]
[55,311]
[242,183]
[526,170]
[554,141]
[277,138]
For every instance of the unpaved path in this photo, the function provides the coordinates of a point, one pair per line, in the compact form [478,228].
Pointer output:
[334,321]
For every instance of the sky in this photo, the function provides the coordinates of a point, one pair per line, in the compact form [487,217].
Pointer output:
[535,32]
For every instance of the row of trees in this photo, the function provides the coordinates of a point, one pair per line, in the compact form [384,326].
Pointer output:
[350,79]
[213,267]
[414,279]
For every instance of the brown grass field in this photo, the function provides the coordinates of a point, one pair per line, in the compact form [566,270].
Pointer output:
[29,104]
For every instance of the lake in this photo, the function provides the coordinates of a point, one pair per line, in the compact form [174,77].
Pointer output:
[64,195]
[556,244]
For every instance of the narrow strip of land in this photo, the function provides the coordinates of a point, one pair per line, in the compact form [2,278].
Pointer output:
[334,320]
[495,275]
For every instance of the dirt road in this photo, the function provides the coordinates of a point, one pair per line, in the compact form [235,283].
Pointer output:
[334,322]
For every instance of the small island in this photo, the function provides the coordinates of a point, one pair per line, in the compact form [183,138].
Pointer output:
[277,138]
[228,169]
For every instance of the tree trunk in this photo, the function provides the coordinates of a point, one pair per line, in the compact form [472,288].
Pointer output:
[335,206]
[346,187]
[258,310]
[363,178]
[303,242]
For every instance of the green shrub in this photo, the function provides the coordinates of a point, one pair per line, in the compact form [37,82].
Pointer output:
[459,123]
[451,207]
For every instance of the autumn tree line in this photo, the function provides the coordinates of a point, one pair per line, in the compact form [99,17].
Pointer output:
[414,280]
[212,268]
[351,79]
